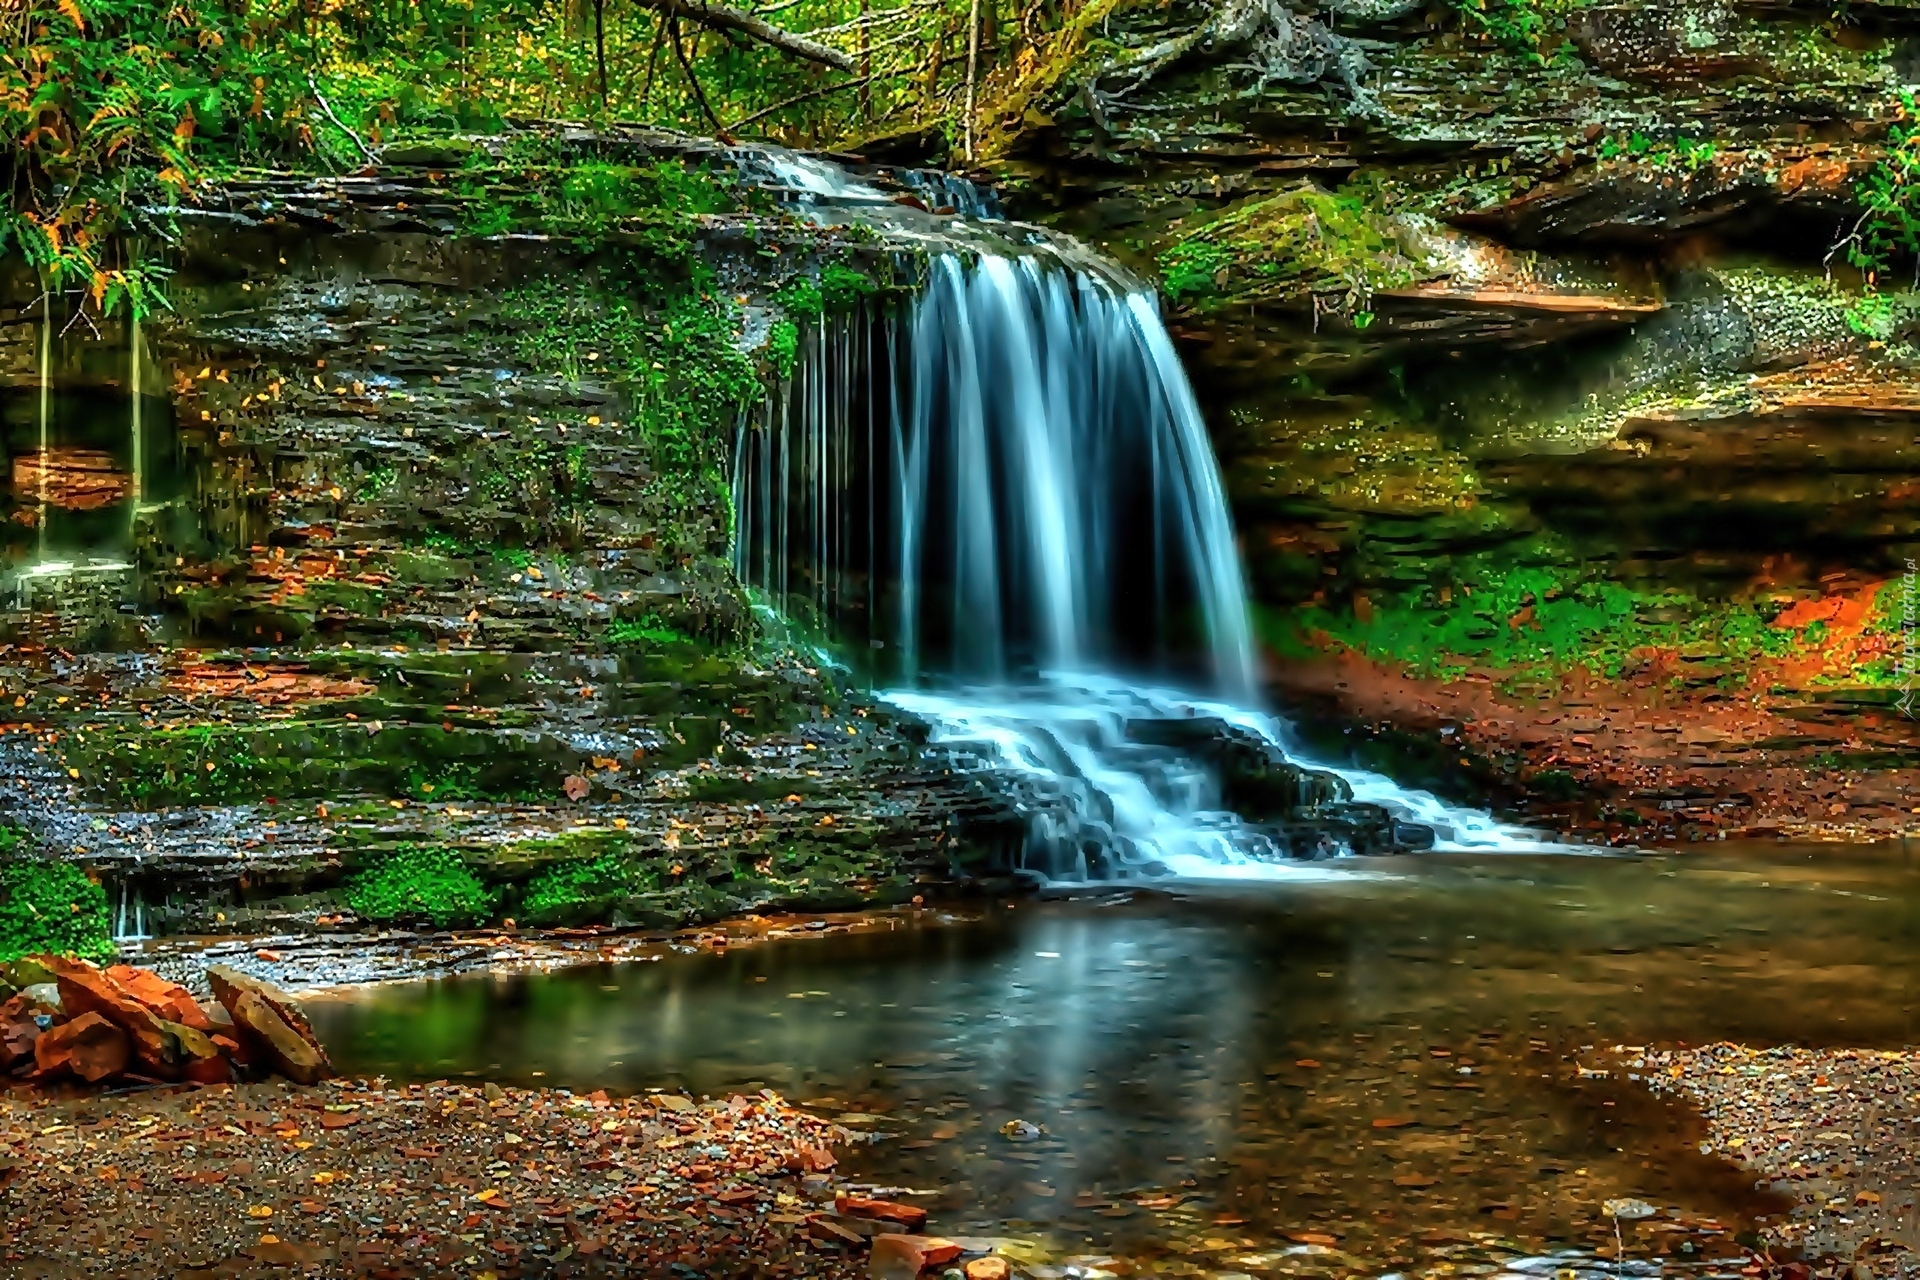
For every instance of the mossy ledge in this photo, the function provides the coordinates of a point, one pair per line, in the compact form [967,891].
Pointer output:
[431,619]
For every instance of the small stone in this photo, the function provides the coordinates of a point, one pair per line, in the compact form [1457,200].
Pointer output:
[1020,1131]
[989,1268]
[912,1217]
[896,1257]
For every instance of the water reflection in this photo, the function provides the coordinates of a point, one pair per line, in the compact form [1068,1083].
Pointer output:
[1377,1070]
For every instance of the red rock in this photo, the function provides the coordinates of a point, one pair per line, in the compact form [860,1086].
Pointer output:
[909,1216]
[904,1257]
[167,1000]
[90,1046]
[85,989]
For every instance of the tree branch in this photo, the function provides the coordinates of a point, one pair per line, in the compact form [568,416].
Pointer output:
[725,18]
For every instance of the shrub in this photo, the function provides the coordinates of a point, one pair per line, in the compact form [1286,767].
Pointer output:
[421,882]
[52,907]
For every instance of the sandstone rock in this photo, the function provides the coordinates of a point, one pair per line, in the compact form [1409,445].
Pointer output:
[90,1046]
[904,1257]
[276,1045]
[167,1000]
[989,1268]
[228,983]
[912,1217]
[85,989]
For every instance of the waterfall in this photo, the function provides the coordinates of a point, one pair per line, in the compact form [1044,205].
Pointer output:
[130,915]
[46,414]
[1008,500]
[137,487]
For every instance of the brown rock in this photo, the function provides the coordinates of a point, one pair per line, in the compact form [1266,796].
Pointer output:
[904,1257]
[18,1031]
[989,1268]
[909,1216]
[274,1043]
[167,1000]
[822,1227]
[85,989]
[90,1046]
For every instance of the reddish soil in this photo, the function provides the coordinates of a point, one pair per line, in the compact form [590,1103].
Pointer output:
[1634,761]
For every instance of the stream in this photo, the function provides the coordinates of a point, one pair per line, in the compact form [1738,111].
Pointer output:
[1388,1067]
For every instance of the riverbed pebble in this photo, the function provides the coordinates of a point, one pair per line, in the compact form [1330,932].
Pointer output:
[1836,1132]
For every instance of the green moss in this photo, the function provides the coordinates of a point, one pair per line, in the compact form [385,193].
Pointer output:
[226,764]
[421,883]
[655,207]
[1545,619]
[51,907]
[1302,245]
[649,630]
[587,891]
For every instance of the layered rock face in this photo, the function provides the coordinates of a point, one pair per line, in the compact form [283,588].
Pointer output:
[1560,362]
[384,577]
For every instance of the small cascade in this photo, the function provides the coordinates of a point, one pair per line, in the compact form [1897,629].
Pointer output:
[137,439]
[1008,499]
[130,914]
[45,416]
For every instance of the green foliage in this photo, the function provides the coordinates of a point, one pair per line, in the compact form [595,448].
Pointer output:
[783,346]
[1194,268]
[51,907]
[1887,232]
[674,343]
[421,883]
[1682,153]
[1515,25]
[839,288]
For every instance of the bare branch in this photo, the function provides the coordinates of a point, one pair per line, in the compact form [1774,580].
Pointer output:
[725,18]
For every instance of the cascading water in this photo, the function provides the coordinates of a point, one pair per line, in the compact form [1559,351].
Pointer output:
[136,490]
[130,915]
[46,415]
[1011,495]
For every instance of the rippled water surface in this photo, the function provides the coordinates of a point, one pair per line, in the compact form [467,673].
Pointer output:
[1397,1070]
